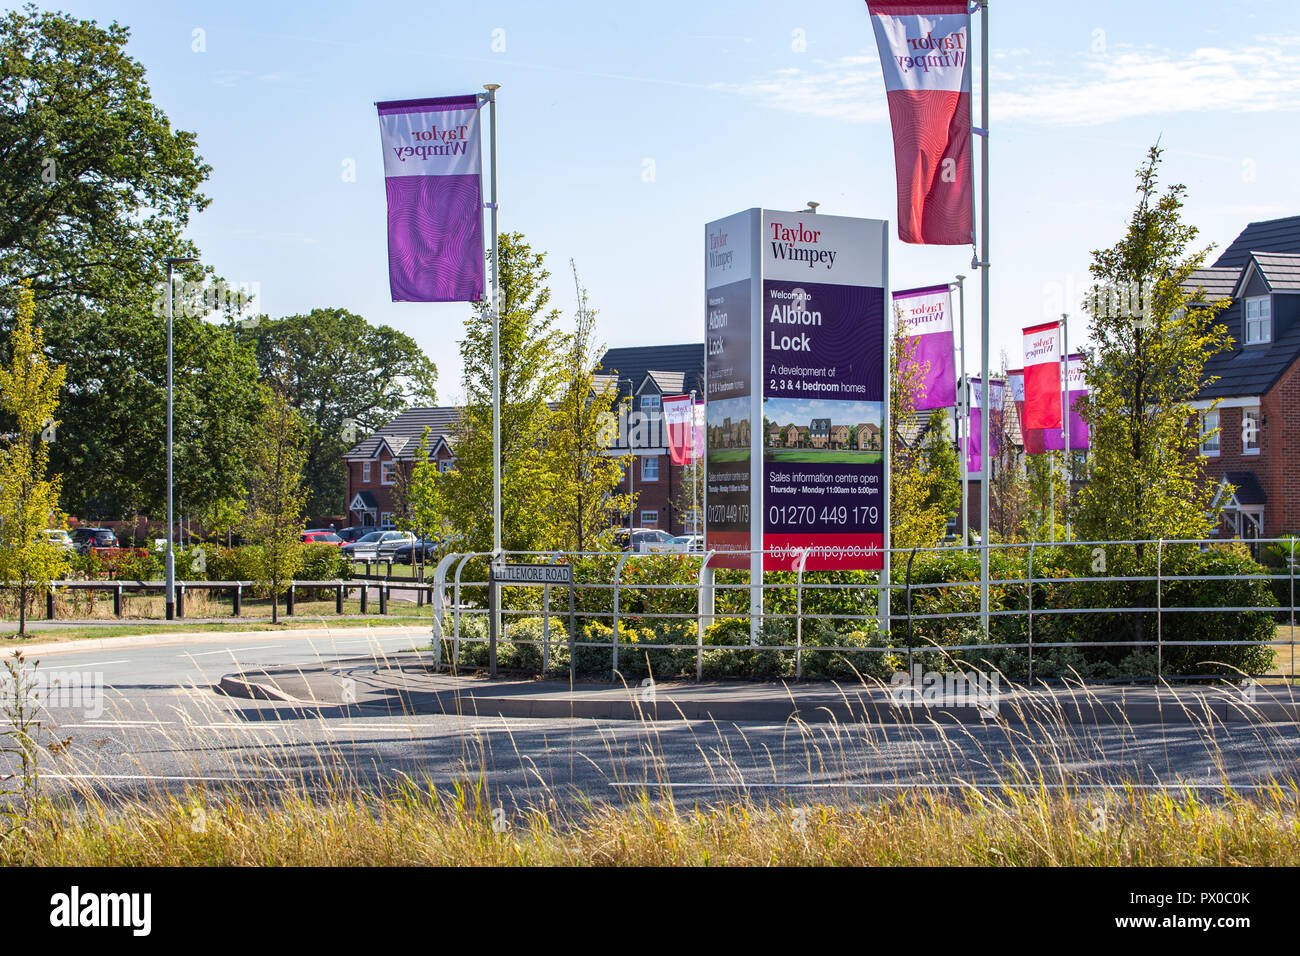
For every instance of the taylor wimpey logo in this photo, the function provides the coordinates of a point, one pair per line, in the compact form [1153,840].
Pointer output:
[451,141]
[720,257]
[75,908]
[932,52]
[1040,347]
[795,244]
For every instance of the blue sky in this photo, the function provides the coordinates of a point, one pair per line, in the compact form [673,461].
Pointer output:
[729,105]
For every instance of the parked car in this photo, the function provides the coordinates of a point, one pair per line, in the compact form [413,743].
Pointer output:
[60,538]
[686,543]
[377,546]
[320,537]
[85,540]
[354,533]
[644,541]
[422,550]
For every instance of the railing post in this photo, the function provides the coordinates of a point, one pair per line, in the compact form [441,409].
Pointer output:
[290,600]
[49,603]
[704,617]
[383,597]
[618,574]
[798,617]
[117,601]
[1160,637]
[338,598]
[1291,564]
[438,600]
[239,598]
[1030,579]
[180,599]
[494,607]
[365,594]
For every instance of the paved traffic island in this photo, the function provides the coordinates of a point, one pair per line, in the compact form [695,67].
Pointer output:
[406,683]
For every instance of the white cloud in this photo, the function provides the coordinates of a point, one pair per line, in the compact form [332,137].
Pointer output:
[1126,83]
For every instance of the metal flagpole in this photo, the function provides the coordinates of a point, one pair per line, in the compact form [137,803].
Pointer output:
[496,326]
[984,319]
[963,424]
[1065,415]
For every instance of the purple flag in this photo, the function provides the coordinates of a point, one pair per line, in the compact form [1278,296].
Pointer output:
[433,175]
[927,317]
[997,395]
[1054,438]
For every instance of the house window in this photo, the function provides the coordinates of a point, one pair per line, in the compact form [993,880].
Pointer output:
[388,472]
[650,519]
[445,465]
[1210,443]
[386,520]
[649,467]
[1259,320]
[1250,430]
[365,472]
[651,403]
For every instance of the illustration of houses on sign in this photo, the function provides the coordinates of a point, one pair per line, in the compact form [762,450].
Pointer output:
[839,436]
[820,432]
[868,437]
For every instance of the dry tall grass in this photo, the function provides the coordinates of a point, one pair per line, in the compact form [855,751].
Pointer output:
[418,826]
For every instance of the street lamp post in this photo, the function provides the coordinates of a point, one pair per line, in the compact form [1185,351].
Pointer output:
[172,262]
[963,417]
[631,469]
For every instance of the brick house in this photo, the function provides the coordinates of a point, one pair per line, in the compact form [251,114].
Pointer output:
[643,376]
[869,437]
[839,436]
[1255,457]
[373,464]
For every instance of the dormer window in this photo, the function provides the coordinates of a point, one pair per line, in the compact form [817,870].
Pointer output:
[1259,320]
[651,403]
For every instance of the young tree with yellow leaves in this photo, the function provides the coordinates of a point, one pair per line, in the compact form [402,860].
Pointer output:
[29,499]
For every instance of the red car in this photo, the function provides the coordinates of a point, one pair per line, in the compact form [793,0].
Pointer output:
[320,537]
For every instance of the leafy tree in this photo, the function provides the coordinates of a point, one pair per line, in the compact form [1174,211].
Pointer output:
[334,366]
[275,493]
[916,518]
[1146,476]
[582,480]
[940,460]
[29,396]
[98,189]
[530,376]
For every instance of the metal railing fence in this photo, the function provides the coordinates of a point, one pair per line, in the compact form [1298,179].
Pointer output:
[1038,604]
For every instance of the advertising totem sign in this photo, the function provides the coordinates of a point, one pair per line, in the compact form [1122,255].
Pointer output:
[797,357]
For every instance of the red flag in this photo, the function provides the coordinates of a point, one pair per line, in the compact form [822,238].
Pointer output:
[1032,438]
[924,54]
[679,418]
[1042,345]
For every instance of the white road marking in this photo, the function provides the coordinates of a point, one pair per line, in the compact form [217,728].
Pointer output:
[231,650]
[100,663]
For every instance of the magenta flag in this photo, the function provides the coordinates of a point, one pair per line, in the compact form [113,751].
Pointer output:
[1054,438]
[433,177]
[927,319]
[974,444]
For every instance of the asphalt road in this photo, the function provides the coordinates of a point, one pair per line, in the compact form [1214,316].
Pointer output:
[159,725]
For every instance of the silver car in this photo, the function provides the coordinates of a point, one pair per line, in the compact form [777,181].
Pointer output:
[378,545]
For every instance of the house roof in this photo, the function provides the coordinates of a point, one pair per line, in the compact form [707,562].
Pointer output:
[1271,235]
[1273,248]
[1249,491]
[637,362]
[669,383]
[1215,283]
[1281,270]
[402,435]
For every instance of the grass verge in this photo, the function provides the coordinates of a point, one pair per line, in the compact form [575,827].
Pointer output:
[414,826]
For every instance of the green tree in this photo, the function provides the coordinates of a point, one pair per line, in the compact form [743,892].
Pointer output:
[582,480]
[29,397]
[334,366]
[275,493]
[531,346]
[1146,478]
[97,190]
[940,460]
